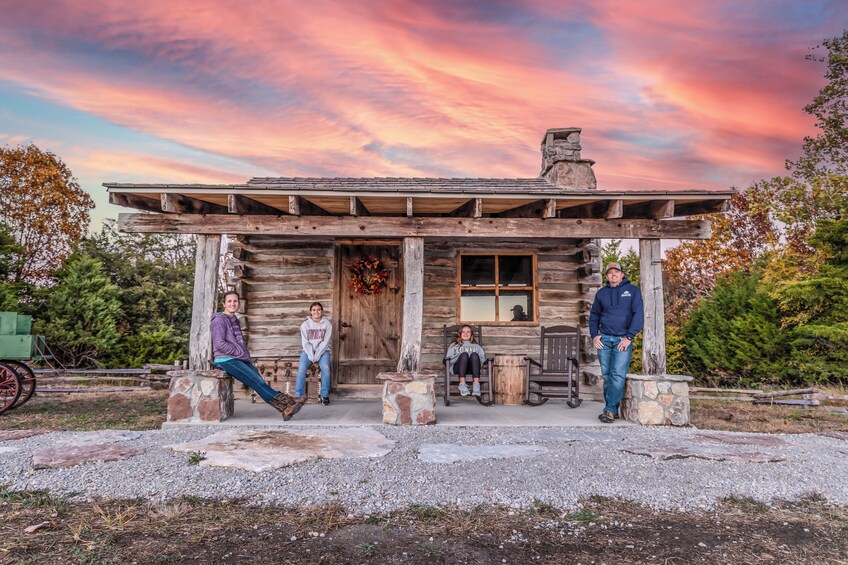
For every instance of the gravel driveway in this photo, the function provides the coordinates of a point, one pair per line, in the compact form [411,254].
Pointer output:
[663,468]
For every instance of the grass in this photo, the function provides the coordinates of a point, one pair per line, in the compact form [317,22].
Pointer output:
[125,411]
[736,531]
[196,457]
[763,418]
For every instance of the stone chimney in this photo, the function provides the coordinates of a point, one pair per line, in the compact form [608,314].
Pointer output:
[561,162]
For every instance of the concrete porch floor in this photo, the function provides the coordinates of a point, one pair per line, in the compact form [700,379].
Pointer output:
[461,412]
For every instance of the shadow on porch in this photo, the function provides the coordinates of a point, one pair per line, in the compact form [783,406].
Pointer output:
[461,412]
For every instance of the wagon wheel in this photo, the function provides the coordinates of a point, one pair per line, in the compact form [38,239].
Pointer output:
[10,387]
[27,381]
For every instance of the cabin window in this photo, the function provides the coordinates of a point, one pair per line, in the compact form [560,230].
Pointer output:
[497,288]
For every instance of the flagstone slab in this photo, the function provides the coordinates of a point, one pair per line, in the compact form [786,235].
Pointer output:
[11,435]
[836,435]
[669,452]
[254,450]
[454,452]
[744,439]
[69,456]
[100,437]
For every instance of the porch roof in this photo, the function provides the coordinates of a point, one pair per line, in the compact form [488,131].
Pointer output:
[390,196]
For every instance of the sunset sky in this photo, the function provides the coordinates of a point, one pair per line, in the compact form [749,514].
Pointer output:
[670,94]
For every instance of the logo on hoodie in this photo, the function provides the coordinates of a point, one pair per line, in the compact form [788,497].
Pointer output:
[318,334]
[625,294]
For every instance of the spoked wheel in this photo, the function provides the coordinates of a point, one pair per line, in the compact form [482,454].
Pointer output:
[10,387]
[27,378]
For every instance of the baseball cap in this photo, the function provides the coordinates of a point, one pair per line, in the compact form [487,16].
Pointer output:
[614,266]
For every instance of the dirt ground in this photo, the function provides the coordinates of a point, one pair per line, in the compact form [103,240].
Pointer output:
[603,531]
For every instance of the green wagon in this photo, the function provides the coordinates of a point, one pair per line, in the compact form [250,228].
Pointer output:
[17,346]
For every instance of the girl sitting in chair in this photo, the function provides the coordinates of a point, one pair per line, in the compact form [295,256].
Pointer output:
[465,355]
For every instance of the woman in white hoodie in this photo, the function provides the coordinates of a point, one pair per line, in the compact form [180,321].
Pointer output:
[315,334]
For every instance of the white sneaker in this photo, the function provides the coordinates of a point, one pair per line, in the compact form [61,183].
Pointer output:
[475,390]
[463,389]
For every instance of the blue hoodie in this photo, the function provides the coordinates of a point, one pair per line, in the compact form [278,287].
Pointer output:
[617,311]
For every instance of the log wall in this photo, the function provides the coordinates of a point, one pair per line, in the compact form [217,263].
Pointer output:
[278,278]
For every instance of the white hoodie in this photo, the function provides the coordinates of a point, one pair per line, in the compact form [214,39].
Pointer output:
[315,337]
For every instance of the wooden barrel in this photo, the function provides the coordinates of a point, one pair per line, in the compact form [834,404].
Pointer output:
[509,379]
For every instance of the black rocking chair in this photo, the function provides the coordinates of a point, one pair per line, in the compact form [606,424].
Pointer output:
[557,373]
[449,334]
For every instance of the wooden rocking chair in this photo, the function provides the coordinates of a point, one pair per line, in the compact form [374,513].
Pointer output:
[452,381]
[557,373]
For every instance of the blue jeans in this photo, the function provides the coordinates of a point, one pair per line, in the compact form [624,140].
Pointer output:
[246,373]
[614,365]
[303,365]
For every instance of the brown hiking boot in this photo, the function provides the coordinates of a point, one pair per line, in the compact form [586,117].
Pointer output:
[281,402]
[294,408]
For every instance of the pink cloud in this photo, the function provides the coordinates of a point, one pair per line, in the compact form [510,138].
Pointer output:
[674,95]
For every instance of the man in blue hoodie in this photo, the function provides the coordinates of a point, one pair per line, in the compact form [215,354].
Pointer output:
[614,321]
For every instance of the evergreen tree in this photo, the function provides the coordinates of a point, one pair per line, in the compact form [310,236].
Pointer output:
[734,334]
[81,313]
[815,308]
[10,260]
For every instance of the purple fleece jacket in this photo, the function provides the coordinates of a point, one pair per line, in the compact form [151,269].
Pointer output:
[227,339]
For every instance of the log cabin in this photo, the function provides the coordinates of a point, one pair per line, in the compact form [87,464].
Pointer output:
[449,250]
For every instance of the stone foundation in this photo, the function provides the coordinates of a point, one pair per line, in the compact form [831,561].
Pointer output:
[200,396]
[656,400]
[409,399]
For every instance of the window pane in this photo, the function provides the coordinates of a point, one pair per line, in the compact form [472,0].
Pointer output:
[515,270]
[516,306]
[478,305]
[478,270]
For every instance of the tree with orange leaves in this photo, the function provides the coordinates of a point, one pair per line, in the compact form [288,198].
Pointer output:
[691,270]
[45,208]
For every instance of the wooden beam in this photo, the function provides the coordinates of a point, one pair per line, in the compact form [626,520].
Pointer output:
[239,204]
[203,301]
[653,209]
[550,208]
[409,206]
[661,209]
[357,208]
[471,209]
[533,209]
[413,304]
[181,204]
[614,210]
[388,227]
[650,272]
[705,207]
[134,201]
[300,206]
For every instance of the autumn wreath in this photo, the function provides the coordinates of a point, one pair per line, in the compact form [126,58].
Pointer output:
[368,276]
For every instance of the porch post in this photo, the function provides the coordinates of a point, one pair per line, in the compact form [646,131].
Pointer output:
[413,304]
[653,342]
[203,301]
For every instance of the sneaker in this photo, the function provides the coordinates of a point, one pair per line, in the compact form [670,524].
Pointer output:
[325,400]
[293,409]
[606,417]
[463,389]
[475,390]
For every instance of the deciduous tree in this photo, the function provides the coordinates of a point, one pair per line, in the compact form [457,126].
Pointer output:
[45,208]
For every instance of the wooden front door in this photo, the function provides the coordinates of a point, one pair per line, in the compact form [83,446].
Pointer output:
[369,325]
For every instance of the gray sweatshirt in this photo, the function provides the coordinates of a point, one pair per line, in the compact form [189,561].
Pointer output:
[315,337]
[457,349]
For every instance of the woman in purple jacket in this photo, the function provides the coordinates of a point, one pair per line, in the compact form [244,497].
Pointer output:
[231,355]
